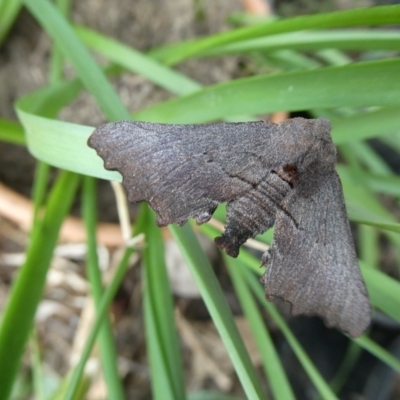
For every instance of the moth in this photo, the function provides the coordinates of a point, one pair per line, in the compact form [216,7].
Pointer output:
[280,175]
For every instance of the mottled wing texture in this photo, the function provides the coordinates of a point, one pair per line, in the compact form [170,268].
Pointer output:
[267,174]
[186,171]
[312,263]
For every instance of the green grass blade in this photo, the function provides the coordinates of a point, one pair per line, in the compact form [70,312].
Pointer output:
[106,338]
[64,145]
[28,288]
[379,352]
[316,40]
[48,101]
[364,125]
[356,85]
[368,245]
[37,367]
[76,379]
[347,364]
[320,384]
[388,184]
[57,58]
[368,158]
[11,132]
[277,378]
[165,355]
[9,10]
[80,393]
[210,395]
[362,206]
[89,72]
[137,62]
[373,16]
[218,308]
[39,189]
[383,291]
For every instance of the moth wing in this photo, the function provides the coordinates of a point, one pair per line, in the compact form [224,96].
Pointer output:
[312,263]
[184,171]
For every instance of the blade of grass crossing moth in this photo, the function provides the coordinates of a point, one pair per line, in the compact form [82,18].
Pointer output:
[163,345]
[218,308]
[72,153]
[28,287]
[277,378]
[106,338]
[320,384]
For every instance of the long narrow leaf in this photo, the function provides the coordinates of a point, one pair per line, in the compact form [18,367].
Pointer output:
[165,357]
[106,339]
[89,72]
[76,378]
[137,62]
[9,10]
[277,378]
[357,85]
[218,309]
[28,288]
[320,384]
[379,352]
[344,40]
[373,16]
[11,132]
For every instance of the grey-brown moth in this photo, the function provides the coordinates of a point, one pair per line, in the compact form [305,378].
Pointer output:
[280,175]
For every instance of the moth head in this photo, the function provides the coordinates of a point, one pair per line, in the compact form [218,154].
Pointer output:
[307,144]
